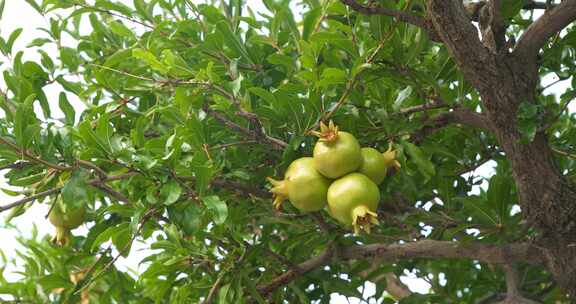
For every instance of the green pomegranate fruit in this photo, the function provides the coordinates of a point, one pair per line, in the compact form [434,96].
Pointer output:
[303,186]
[373,165]
[65,220]
[353,201]
[336,153]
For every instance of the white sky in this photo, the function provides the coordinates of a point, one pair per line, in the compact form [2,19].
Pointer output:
[18,14]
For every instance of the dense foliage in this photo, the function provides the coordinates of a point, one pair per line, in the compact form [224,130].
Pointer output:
[189,107]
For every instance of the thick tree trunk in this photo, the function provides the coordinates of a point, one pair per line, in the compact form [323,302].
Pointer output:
[505,80]
[547,198]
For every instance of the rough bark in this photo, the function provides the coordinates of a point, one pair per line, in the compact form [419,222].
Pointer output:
[504,81]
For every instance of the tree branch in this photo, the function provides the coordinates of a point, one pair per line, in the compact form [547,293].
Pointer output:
[545,27]
[518,252]
[399,15]
[394,286]
[448,250]
[459,115]
[301,269]
[513,295]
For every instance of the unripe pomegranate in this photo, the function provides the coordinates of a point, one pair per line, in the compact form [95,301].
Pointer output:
[65,220]
[305,187]
[373,165]
[353,201]
[336,153]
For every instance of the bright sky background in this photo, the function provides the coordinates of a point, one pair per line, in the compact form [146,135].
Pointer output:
[18,14]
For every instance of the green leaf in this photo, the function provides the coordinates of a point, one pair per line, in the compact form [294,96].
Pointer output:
[120,29]
[218,208]
[104,132]
[2,4]
[500,194]
[67,109]
[529,118]
[479,209]
[311,19]
[264,94]
[70,58]
[223,294]
[39,42]
[171,192]
[11,39]
[74,192]
[331,76]
[122,238]
[35,5]
[53,281]
[90,137]
[107,234]
[252,289]
[511,8]
[150,59]
[421,160]
[24,119]
[283,60]
[233,41]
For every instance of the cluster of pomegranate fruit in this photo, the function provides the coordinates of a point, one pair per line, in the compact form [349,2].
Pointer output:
[340,176]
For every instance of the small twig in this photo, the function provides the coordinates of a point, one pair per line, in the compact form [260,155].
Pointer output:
[562,110]
[255,135]
[32,157]
[244,189]
[30,198]
[122,72]
[117,195]
[472,167]
[423,107]
[114,14]
[324,226]
[123,250]
[16,165]
[95,182]
[563,153]
[212,293]
[279,258]
[101,173]
[238,143]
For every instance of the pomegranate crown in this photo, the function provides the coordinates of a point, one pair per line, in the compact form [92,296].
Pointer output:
[279,191]
[363,218]
[327,133]
[390,158]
